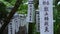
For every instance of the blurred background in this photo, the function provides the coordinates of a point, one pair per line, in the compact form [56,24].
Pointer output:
[18,23]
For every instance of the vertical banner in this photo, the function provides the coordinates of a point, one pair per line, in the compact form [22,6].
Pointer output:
[46,16]
[37,21]
[22,19]
[11,27]
[16,21]
[31,13]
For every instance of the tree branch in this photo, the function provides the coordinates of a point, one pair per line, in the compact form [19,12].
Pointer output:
[7,20]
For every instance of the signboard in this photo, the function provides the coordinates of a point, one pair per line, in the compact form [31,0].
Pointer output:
[37,21]
[31,13]
[46,16]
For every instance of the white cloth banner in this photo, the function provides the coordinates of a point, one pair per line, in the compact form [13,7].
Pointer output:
[11,27]
[46,16]
[37,21]
[31,12]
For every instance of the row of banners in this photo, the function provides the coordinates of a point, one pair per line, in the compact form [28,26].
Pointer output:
[17,21]
[44,17]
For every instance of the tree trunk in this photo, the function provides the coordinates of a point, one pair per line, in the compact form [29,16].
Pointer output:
[7,20]
[22,30]
[31,28]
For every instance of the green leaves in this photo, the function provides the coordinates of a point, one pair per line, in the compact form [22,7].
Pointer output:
[23,8]
[57,17]
[8,0]
[56,2]
[3,12]
[12,2]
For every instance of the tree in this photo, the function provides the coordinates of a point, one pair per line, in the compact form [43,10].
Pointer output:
[7,20]
[57,17]
[56,2]
[3,11]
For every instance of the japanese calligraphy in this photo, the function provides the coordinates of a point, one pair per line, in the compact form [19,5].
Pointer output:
[31,12]
[46,16]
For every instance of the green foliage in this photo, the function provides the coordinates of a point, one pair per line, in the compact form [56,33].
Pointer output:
[23,9]
[3,11]
[56,2]
[24,1]
[8,0]
[57,18]
[37,32]
[31,28]
[12,2]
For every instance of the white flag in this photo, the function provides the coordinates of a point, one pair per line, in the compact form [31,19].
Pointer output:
[37,21]
[46,16]
[11,27]
[31,13]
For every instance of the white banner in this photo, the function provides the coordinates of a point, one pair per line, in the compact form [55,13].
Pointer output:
[46,16]
[31,13]
[11,27]
[37,21]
